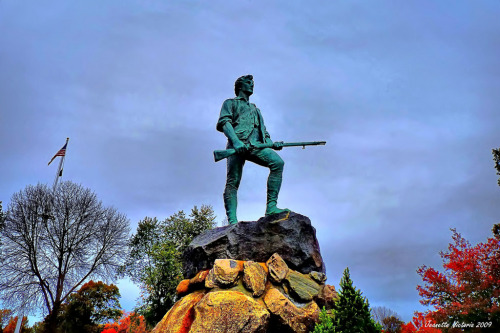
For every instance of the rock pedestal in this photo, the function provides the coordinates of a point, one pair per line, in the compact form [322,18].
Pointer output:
[291,235]
[264,276]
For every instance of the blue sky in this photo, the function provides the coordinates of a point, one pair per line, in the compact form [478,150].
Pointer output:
[404,93]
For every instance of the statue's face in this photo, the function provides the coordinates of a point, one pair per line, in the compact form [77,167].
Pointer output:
[247,86]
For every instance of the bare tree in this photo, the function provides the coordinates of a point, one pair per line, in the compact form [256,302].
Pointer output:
[2,219]
[379,313]
[496,158]
[53,242]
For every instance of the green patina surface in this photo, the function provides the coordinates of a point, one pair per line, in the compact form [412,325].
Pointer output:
[243,125]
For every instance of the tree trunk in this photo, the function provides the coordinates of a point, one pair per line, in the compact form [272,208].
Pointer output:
[51,322]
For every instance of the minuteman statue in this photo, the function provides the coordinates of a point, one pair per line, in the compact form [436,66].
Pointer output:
[243,125]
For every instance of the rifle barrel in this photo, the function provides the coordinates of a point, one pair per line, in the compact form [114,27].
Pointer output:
[298,144]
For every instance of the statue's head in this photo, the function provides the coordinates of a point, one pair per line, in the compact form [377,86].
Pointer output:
[239,83]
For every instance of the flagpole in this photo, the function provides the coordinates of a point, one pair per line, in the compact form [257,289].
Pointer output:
[19,322]
[58,174]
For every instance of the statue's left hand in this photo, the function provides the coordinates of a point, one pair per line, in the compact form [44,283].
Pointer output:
[278,145]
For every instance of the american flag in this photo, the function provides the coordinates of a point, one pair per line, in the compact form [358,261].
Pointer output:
[61,152]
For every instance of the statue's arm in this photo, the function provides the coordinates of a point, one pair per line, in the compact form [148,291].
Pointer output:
[225,125]
[228,130]
[226,115]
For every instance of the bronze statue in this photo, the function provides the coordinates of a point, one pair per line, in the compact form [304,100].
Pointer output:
[248,140]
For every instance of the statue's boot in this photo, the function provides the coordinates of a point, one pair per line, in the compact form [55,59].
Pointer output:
[231,203]
[273,189]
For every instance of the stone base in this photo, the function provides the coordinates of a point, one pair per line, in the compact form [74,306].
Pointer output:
[247,297]
[289,234]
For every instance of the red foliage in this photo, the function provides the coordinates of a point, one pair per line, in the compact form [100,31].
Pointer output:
[91,285]
[11,326]
[421,323]
[128,323]
[469,288]
[4,317]
[109,330]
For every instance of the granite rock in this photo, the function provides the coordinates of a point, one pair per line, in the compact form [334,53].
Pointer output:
[226,271]
[302,286]
[291,317]
[318,277]
[278,268]
[229,312]
[288,234]
[200,277]
[254,278]
[327,297]
[183,287]
[180,317]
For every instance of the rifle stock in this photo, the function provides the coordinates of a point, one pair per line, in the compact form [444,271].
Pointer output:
[222,154]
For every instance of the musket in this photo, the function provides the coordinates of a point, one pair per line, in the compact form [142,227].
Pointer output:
[222,154]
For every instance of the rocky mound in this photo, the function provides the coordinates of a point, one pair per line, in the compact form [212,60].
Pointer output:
[247,296]
[290,235]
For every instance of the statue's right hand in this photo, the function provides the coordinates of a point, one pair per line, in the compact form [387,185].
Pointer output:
[240,147]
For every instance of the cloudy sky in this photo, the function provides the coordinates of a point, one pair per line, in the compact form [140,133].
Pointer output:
[405,93]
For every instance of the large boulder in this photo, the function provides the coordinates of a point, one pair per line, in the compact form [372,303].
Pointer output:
[229,312]
[290,235]
[292,318]
[181,316]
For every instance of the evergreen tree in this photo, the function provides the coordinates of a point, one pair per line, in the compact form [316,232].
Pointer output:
[352,310]
[325,324]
